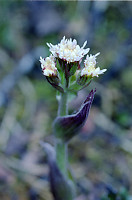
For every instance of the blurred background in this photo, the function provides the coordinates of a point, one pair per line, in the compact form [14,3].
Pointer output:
[101,155]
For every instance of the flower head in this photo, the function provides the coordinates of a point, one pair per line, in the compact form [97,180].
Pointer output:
[68,50]
[90,67]
[48,66]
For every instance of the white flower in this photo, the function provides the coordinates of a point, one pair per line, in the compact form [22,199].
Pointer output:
[68,50]
[48,66]
[90,67]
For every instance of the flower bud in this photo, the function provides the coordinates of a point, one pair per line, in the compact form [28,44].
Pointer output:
[81,80]
[73,68]
[54,81]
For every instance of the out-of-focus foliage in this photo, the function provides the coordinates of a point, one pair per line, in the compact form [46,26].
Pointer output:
[122,194]
[101,155]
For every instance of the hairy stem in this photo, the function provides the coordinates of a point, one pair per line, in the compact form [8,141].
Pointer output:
[61,147]
[61,156]
[63,108]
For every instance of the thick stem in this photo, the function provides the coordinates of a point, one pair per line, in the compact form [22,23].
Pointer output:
[61,156]
[61,147]
[63,108]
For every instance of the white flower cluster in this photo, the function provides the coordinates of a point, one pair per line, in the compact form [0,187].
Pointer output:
[90,67]
[48,66]
[68,50]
